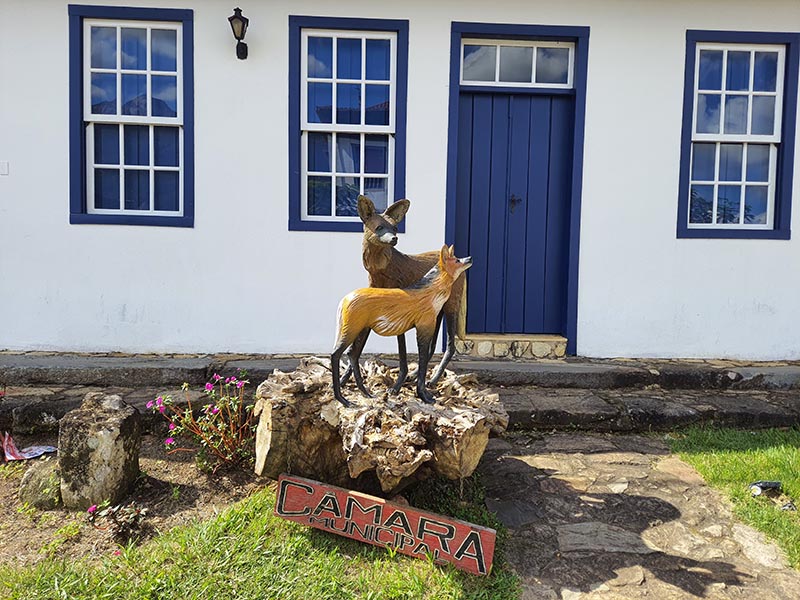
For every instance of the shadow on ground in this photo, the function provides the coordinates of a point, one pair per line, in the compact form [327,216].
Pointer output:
[613,516]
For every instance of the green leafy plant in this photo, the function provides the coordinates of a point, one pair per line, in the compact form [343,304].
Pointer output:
[224,427]
[121,521]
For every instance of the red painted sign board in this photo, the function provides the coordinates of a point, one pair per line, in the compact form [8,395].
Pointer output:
[382,523]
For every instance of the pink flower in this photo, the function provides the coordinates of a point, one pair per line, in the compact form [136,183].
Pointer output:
[240,384]
[169,441]
[217,377]
[149,404]
[161,409]
[228,380]
[159,401]
[209,386]
[172,426]
[117,552]
[214,410]
[92,509]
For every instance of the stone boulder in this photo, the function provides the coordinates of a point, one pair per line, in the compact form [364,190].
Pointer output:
[98,451]
[40,486]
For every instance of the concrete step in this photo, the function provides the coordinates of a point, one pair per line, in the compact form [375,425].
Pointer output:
[136,370]
[514,345]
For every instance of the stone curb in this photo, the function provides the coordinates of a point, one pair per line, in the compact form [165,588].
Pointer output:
[141,370]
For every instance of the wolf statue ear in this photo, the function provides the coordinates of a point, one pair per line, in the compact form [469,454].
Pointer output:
[366,209]
[443,256]
[397,211]
[452,250]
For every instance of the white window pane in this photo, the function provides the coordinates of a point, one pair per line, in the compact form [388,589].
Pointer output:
[728,197]
[708,111]
[730,162]
[377,105]
[104,48]
[710,71]
[137,190]
[376,154]
[319,195]
[763,122]
[134,48]
[552,65]
[348,103]
[104,94]
[320,102]
[348,153]
[164,53]
[320,57]
[765,74]
[165,96]
[736,114]
[319,152]
[738,72]
[375,188]
[704,157]
[480,63]
[516,64]
[347,191]
[134,94]
[701,203]
[757,162]
[755,204]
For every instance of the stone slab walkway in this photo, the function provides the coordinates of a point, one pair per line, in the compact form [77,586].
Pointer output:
[617,516]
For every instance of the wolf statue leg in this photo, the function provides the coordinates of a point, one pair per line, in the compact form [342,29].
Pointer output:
[337,388]
[424,338]
[403,373]
[450,350]
[359,343]
[354,354]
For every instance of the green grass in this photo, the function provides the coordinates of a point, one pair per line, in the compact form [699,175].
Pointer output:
[247,552]
[732,459]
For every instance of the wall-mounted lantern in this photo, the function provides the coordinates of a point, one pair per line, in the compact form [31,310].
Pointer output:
[239,27]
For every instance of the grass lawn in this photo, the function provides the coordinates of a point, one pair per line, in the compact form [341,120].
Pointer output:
[247,552]
[732,459]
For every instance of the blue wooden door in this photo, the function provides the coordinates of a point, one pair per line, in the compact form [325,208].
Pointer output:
[513,191]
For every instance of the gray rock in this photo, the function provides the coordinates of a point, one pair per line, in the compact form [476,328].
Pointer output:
[98,450]
[594,536]
[40,486]
[41,415]
[756,547]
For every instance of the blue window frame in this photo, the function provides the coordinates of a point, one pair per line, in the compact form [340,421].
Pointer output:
[738,138]
[131,116]
[347,118]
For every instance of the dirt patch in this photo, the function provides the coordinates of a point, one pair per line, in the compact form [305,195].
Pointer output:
[172,489]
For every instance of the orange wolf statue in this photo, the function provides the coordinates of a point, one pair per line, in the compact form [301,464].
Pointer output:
[393,311]
[389,268]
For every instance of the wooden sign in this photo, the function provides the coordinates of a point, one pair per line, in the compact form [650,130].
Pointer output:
[376,521]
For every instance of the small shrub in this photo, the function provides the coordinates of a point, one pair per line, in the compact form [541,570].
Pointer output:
[224,428]
[121,521]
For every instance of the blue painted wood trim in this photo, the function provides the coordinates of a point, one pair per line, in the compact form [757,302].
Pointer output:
[77,138]
[579,35]
[296,24]
[785,167]
[525,91]
[129,13]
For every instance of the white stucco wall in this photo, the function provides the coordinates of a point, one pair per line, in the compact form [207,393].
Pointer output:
[240,281]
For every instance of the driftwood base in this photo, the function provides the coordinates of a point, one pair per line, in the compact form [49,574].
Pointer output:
[378,444]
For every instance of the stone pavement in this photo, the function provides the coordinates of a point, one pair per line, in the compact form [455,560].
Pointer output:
[616,516]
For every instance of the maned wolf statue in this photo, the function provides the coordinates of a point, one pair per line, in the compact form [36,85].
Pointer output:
[393,311]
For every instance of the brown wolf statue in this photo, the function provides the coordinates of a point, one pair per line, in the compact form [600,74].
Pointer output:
[392,312]
[389,268]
